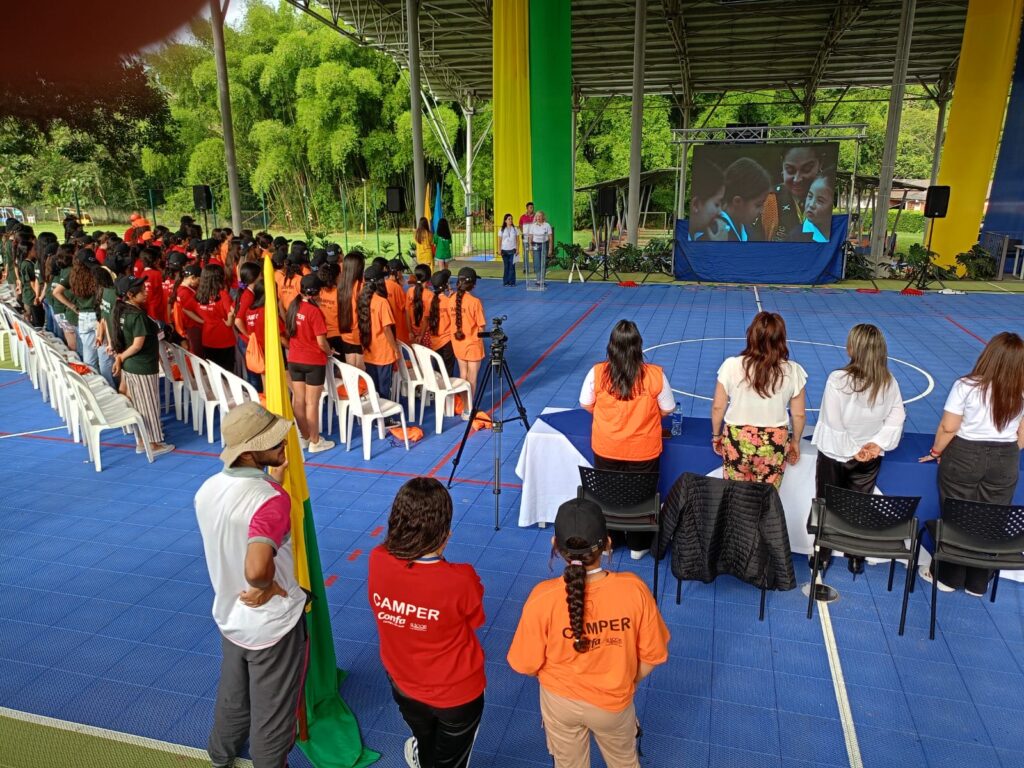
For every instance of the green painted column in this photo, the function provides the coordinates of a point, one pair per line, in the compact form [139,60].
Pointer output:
[551,112]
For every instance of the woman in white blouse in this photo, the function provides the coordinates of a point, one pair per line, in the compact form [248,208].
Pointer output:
[509,236]
[542,242]
[979,440]
[756,394]
[861,418]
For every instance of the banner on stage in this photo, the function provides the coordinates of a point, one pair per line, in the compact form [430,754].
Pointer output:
[763,192]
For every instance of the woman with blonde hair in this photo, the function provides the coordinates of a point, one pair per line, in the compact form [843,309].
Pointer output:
[757,392]
[979,441]
[424,243]
[542,243]
[861,418]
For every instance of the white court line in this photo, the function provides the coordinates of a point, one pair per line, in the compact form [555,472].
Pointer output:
[757,298]
[842,699]
[999,287]
[32,432]
[124,738]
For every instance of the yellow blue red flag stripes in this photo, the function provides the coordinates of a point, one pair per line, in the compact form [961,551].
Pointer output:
[329,734]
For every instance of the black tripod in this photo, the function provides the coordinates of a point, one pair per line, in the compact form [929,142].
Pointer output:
[495,378]
[926,274]
[604,261]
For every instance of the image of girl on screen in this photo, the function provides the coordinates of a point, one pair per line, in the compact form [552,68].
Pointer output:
[706,193]
[746,187]
[818,210]
[783,213]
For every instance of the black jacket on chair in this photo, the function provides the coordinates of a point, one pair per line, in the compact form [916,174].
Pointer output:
[727,526]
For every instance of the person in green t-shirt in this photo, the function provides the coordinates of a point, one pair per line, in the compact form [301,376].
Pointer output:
[137,344]
[31,288]
[104,342]
[443,241]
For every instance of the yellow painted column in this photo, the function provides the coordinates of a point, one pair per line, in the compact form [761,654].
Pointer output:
[513,181]
[983,78]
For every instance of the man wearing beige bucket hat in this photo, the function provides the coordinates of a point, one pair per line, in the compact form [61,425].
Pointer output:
[245,521]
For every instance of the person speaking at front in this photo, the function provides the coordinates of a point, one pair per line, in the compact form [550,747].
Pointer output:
[628,397]
[588,661]
[427,611]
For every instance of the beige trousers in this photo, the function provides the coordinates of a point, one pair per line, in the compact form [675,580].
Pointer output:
[568,725]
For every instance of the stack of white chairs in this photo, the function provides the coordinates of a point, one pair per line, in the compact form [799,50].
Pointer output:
[175,389]
[438,384]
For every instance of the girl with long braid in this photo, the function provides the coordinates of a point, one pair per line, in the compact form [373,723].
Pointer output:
[348,294]
[439,320]
[467,321]
[590,661]
[377,330]
[417,306]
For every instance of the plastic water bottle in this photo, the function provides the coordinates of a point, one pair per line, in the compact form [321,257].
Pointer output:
[677,420]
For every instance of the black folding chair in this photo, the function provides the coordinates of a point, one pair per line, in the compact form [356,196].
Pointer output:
[977,535]
[630,502]
[865,525]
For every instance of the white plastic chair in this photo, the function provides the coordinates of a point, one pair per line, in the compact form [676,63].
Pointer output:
[174,385]
[230,390]
[207,395]
[97,416]
[8,338]
[368,409]
[409,380]
[188,374]
[336,402]
[438,383]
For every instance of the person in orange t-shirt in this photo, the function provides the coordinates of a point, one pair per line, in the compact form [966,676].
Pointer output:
[328,274]
[417,306]
[467,313]
[396,298]
[439,320]
[628,398]
[589,658]
[349,288]
[377,330]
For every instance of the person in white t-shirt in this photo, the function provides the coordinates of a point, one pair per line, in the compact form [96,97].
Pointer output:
[979,440]
[861,418]
[245,520]
[542,242]
[756,393]
[509,246]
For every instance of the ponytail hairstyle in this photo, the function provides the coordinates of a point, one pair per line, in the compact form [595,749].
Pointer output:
[290,320]
[466,282]
[249,273]
[351,275]
[422,275]
[581,536]
[211,283]
[439,282]
[374,283]
[420,520]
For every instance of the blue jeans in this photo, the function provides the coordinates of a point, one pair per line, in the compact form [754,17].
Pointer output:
[509,259]
[381,375]
[87,339]
[51,323]
[540,260]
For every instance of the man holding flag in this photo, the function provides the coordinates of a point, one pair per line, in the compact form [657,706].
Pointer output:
[280,668]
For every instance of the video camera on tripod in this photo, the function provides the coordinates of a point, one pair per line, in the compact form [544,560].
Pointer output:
[498,337]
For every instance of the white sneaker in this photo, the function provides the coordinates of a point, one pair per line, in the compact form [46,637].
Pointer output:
[321,445]
[638,554]
[972,594]
[412,755]
[925,574]
[303,443]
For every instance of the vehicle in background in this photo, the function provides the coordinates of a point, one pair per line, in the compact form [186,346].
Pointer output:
[84,218]
[11,212]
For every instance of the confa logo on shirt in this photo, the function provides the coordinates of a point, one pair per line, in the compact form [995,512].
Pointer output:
[398,612]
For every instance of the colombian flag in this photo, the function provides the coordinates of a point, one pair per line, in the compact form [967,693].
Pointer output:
[328,732]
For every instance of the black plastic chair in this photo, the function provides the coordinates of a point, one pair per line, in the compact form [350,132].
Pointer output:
[866,525]
[630,502]
[977,535]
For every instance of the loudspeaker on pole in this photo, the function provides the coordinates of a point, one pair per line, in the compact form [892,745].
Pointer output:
[395,197]
[202,196]
[936,202]
[606,201]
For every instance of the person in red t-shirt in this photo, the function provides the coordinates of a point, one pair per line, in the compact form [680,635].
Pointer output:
[428,611]
[218,313]
[308,349]
[184,309]
[156,305]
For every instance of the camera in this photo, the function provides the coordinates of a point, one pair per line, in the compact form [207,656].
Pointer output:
[497,336]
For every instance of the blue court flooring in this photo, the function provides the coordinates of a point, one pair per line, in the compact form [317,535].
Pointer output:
[105,602]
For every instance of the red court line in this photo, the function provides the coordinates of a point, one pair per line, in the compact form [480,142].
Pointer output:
[16,381]
[330,580]
[521,379]
[966,330]
[376,531]
[355,555]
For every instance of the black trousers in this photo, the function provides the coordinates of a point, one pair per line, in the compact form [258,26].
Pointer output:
[851,475]
[634,539]
[444,735]
[976,470]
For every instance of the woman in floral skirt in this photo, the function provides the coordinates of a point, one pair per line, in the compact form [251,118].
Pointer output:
[752,396]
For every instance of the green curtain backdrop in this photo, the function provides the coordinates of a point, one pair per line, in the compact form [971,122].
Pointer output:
[551,112]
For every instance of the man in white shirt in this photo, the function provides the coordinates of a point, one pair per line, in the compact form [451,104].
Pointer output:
[245,520]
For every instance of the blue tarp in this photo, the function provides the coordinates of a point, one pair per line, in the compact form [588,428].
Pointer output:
[755,262]
[1005,212]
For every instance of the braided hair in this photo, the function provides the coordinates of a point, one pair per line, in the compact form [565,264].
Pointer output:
[434,319]
[422,275]
[420,519]
[575,577]
[370,287]
[464,284]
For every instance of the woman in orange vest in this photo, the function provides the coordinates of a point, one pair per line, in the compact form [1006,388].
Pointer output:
[467,321]
[628,398]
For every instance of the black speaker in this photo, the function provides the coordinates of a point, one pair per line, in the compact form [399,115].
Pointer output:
[395,199]
[202,196]
[936,202]
[606,201]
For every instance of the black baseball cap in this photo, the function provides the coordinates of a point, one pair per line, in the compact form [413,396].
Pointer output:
[319,258]
[86,256]
[311,284]
[176,259]
[580,519]
[440,279]
[467,273]
[373,272]
[127,284]
[396,265]
[192,270]
[280,241]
